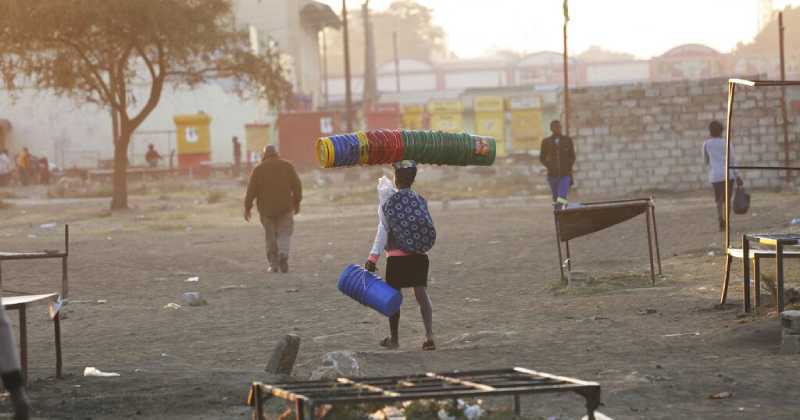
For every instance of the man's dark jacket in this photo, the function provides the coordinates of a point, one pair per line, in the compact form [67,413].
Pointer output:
[557,158]
[275,186]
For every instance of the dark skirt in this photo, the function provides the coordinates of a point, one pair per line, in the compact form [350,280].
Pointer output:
[407,271]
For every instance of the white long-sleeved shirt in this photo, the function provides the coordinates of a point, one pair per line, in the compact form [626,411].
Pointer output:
[385,190]
[714,157]
[5,164]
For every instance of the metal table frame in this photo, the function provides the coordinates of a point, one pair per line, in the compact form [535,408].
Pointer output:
[746,254]
[652,232]
[38,255]
[20,303]
[779,241]
[307,395]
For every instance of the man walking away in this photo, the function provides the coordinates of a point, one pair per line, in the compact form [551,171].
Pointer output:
[558,156]
[237,157]
[714,157]
[275,186]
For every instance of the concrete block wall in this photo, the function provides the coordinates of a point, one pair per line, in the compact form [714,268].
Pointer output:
[649,136]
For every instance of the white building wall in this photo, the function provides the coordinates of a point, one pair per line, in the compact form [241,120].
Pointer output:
[41,120]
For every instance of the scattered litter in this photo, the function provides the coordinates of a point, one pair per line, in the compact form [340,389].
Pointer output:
[172,305]
[292,290]
[647,311]
[721,395]
[458,263]
[192,279]
[711,253]
[108,238]
[471,300]
[101,301]
[48,225]
[327,257]
[32,236]
[682,334]
[193,299]
[93,371]
[231,287]
[495,242]
[473,411]
[164,354]
[795,221]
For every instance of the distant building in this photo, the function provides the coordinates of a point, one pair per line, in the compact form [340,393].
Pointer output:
[293,26]
[688,62]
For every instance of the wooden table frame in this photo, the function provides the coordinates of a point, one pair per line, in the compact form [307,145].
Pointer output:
[650,227]
[514,382]
[747,254]
[779,242]
[20,303]
[38,255]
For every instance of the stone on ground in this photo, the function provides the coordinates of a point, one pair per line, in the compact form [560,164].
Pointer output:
[284,355]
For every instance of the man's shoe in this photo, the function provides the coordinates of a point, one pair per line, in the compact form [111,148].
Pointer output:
[272,269]
[284,265]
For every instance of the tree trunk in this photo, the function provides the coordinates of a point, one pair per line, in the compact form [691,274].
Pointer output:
[119,200]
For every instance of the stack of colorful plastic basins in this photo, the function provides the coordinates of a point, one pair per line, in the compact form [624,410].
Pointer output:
[389,146]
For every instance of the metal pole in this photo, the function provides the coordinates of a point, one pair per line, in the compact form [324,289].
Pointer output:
[348,96]
[325,67]
[728,133]
[566,82]
[396,61]
[783,99]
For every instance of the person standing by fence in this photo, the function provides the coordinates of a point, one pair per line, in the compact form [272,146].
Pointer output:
[558,156]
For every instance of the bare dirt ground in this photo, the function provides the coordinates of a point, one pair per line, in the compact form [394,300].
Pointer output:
[494,284]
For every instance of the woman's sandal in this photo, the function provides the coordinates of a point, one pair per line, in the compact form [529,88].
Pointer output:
[428,345]
[388,343]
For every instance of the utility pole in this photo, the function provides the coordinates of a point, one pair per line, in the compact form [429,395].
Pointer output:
[396,61]
[348,96]
[370,79]
[566,72]
[325,67]
[783,101]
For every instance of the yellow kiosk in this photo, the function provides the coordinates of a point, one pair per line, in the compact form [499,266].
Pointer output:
[194,139]
[413,117]
[490,119]
[527,129]
[446,116]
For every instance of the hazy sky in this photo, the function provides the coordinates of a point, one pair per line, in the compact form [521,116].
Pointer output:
[642,27]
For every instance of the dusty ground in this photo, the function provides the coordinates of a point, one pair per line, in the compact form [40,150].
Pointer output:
[494,284]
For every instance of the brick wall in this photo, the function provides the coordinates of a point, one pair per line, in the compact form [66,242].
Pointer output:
[649,137]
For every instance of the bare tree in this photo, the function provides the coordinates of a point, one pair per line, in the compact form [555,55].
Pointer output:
[108,51]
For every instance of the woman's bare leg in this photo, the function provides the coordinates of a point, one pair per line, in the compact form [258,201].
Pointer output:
[426,309]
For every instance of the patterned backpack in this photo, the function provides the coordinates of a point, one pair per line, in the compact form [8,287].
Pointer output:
[410,223]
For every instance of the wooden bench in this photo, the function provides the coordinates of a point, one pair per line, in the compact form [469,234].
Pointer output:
[20,304]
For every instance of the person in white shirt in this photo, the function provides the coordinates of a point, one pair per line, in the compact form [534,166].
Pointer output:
[714,157]
[5,168]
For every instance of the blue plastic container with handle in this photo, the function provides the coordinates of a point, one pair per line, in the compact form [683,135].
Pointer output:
[369,290]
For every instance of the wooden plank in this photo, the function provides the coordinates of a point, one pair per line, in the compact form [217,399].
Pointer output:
[367,387]
[455,381]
